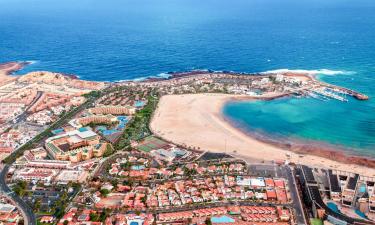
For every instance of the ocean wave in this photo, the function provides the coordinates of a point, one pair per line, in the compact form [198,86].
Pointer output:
[166,75]
[311,72]
[138,79]
[31,62]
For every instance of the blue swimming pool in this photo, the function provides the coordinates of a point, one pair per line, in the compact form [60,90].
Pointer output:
[123,120]
[222,219]
[83,129]
[139,103]
[333,207]
[361,214]
[134,223]
[109,132]
[137,167]
[57,131]
[362,188]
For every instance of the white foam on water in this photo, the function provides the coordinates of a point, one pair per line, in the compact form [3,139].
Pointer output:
[138,79]
[311,72]
[31,62]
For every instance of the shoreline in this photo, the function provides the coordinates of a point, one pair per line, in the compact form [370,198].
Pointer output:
[300,146]
[210,131]
[271,145]
[6,70]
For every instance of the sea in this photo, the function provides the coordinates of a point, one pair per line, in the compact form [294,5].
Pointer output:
[117,40]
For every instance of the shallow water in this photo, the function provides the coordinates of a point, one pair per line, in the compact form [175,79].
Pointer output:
[127,39]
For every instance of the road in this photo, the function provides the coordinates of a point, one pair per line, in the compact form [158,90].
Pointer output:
[297,203]
[23,116]
[27,212]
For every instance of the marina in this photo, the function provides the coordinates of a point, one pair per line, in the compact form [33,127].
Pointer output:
[328,93]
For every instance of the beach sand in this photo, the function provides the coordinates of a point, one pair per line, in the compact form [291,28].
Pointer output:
[196,120]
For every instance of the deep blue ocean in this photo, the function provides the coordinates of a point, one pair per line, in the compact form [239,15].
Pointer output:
[127,39]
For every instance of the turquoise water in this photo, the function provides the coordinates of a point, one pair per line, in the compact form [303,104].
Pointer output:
[222,219]
[126,39]
[138,167]
[139,104]
[333,207]
[362,188]
[83,129]
[57,131]
[345,125]
[361,214]
[123,120]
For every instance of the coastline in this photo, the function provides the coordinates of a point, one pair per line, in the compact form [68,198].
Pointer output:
[329,151]
[6,70]
[210,130]
[210,106]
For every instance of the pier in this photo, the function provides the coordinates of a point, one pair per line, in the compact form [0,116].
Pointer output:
[347,91]
[329,93]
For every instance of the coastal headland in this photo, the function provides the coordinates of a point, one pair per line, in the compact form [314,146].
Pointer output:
[196,120]
[189,112]
[8,68]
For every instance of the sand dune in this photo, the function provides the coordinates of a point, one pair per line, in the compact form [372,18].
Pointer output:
[196,120]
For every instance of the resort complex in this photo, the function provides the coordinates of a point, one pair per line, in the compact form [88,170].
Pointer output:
[76,145]
[78,152]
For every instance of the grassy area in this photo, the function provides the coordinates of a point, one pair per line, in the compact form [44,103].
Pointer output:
[316,222]
[109,150]
[138,126]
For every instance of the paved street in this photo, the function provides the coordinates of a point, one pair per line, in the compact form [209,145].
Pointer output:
[27,212]
[22,117]
[297,202]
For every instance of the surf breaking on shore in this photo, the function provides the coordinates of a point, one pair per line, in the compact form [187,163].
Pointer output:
[182,119]
[209,130]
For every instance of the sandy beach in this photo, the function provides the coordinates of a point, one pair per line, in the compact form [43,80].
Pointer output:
[196,120]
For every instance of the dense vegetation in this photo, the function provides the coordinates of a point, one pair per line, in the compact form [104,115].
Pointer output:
[138,127]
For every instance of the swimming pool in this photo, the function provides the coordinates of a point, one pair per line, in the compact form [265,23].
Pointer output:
[362,188]
[109,132]
[139,104]
[222,219]
[137,167]
[57,131]
[361,214]
[123,120]
[83,129]
[333,207]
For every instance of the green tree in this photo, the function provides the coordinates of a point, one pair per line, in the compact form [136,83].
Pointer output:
[208,221]
[104,215]
[94,217]
[20,188]
[104,192]
[37,205]
[108,151]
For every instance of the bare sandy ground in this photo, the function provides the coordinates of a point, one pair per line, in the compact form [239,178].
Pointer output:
[196,120]
[6,69]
